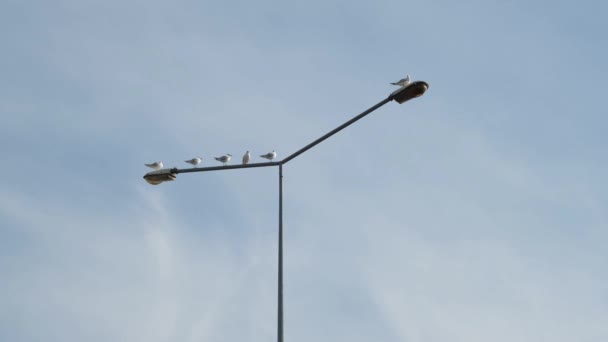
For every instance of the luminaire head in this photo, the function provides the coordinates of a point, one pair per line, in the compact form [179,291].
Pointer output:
[160,176]
[411,91]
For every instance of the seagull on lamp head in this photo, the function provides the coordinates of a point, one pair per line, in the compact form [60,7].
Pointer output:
[194,161]
[269,155]
[403,82]
[224,159]
[246,158]
[156,165]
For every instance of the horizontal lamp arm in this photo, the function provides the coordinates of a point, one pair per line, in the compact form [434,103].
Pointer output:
[221,168]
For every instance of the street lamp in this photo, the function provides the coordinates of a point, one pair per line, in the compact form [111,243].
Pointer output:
[413,90]
[401,95]
[157,177]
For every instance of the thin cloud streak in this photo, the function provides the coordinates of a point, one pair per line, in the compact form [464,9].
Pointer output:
[475,212]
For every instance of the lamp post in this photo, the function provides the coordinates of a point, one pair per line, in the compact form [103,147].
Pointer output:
[411,91]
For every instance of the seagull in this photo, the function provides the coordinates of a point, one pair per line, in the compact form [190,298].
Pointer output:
[194,161]
[156,165]
[403,82]
[224,159]
[246,158]
[269,155]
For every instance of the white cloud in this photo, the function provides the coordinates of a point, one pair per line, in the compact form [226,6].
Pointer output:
[464,215]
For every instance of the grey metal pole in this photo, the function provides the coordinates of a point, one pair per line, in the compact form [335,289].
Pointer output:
[337,129]
[414,90]
[280,285]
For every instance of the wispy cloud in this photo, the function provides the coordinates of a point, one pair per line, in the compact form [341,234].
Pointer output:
[476,212]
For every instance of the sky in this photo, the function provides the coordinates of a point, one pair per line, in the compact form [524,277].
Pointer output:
[476,212]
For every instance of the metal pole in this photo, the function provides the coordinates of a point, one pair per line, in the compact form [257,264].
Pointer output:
[401,95]
[223,167]
[338,129]
[280,299]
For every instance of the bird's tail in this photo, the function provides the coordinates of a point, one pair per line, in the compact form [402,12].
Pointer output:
[395,83]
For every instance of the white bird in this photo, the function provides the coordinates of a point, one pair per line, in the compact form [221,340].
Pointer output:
[403,82]
[246,158]
[224,159]
[194,161]
[269,155]
[156,165]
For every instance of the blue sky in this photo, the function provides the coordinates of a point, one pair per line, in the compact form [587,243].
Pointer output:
[475,213]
